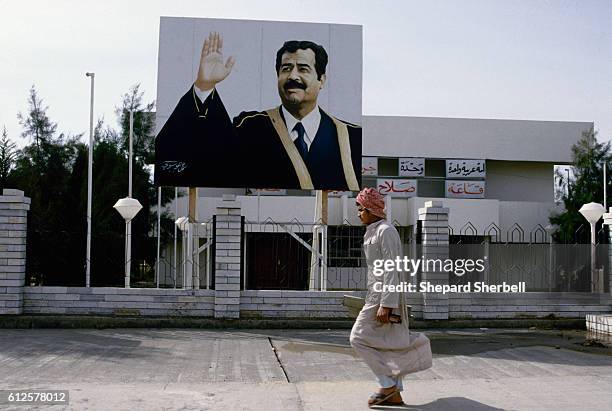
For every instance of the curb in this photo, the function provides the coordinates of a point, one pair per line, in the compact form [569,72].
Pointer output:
[100,322]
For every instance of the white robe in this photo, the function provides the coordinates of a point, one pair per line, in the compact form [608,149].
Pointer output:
[388,349]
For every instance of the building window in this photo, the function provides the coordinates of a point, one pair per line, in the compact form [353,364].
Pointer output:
[388,167]
[435,168]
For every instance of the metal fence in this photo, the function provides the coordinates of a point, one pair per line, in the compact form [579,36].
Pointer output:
[516,254]
[278,255]
[300,256]
[175,263]
[276,259]
[282,255]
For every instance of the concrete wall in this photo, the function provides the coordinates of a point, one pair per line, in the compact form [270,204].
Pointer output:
[481,212]
[296,304]
[434,137]
[527,305]
[520,181]
[118,301]
[527,214]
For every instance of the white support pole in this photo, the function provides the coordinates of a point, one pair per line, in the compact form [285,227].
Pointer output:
[324,258]
[158,234]
[89,182]
[189,256]
[130,154]
[128,235]
[208,251]
[594,282]
[605,204]
[127,256]
[175,262]
[184,253]
[194,266]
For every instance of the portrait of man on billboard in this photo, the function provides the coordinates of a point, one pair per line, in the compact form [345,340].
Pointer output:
[296,145]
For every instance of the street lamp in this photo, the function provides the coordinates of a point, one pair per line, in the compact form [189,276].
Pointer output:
[182,223]
[593,212]
[89,181]
[128,208]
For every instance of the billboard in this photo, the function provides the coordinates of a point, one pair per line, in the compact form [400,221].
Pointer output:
[258,104]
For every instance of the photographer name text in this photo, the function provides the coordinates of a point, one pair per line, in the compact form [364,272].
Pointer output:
[428,287]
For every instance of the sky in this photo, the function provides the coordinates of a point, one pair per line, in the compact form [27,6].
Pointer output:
[532,60]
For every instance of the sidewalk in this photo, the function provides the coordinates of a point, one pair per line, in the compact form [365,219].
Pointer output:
[146,369]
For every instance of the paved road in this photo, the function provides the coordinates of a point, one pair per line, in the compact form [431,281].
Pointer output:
[141,369]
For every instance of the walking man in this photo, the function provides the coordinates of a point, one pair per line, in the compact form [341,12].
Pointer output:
[380,334]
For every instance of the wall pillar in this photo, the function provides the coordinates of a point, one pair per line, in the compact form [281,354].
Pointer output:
[227,258]
[435,243]
[14,208]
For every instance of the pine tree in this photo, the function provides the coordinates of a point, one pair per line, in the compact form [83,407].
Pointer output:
[37,127]
[588,156]
[143,128]
[44,170]
[8,151]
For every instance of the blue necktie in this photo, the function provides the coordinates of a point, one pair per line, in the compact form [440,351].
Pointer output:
[299,142]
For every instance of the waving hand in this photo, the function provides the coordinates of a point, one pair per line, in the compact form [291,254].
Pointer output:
[212,70]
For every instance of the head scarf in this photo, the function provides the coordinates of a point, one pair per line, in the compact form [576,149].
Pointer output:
[372,200]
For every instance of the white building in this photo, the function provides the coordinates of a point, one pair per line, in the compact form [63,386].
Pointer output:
[519,159]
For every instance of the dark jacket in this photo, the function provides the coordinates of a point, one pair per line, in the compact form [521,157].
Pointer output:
[199,146]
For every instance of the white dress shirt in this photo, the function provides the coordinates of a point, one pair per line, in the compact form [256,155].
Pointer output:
[311,122]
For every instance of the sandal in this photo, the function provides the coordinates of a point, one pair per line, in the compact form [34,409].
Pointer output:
[383,399]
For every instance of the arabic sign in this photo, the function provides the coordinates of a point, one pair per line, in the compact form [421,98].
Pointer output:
[465,168]
[369,166]
[465,189]
[397,187]
[412,167]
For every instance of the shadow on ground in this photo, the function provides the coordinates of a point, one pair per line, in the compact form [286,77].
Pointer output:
[450,403]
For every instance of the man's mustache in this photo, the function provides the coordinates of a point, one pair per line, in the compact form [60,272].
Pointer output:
[294,84]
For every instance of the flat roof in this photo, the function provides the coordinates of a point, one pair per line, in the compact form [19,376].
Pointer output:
[440,137]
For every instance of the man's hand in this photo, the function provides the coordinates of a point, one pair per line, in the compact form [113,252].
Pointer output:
[212,70]
[383,314]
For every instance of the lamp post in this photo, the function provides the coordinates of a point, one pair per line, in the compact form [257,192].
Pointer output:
[128,232]
[592,212]
[128,208]
[605,204]
[182,223]
[89,181]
